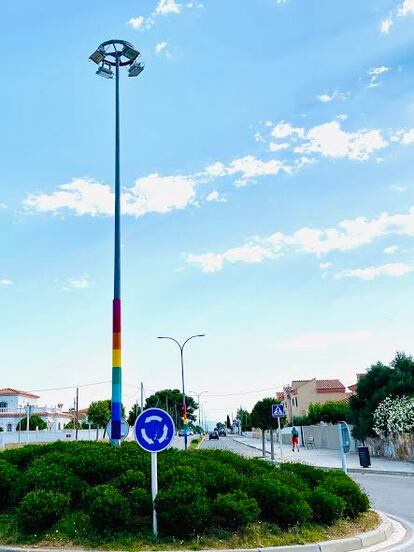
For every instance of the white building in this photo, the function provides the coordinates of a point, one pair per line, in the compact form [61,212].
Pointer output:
[12,410]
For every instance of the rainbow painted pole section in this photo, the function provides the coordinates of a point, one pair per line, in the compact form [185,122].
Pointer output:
[116,404]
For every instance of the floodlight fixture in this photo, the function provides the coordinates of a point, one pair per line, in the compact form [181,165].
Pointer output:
[129,52]
[105,71]
[97,56]
[135,69]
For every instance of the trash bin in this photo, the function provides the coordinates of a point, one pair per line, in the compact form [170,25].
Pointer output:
[364,458]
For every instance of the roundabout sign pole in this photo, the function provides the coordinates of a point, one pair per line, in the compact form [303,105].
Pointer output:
[153,431]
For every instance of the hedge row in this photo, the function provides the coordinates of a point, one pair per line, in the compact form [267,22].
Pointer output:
[109,488]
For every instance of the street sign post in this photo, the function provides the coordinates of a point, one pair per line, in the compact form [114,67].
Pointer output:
[153,431]
[278,411]
[124,429]
[344,442]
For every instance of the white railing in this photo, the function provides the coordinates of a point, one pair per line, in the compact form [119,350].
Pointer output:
[44,436]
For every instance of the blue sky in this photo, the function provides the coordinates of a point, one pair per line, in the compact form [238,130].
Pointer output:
[268,193]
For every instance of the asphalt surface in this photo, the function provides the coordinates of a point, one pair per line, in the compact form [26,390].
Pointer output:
[388,493]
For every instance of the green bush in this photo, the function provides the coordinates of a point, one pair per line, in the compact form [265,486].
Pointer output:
[312,476]
[39,510]
[183,510]
[130,480]
[9,475]
[235,509]
[108,509]
[52,478]
[279,503]
[326,507]
[140,502]
[220,478]
[342,486]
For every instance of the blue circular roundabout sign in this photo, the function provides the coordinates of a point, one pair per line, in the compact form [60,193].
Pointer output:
[154,430]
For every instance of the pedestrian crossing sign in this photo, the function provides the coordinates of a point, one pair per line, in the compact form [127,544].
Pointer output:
[278,411]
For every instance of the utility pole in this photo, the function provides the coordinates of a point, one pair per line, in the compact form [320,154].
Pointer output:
[142,396]
[77,413]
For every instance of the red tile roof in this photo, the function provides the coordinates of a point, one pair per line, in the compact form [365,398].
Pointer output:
[329,386]
[10,391]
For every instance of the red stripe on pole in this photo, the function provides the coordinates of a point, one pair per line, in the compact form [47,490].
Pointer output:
[116,316]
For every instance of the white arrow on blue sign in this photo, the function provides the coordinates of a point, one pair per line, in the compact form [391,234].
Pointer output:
[154,430]
[278,411]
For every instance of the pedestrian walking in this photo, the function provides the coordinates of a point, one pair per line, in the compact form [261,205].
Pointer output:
[295,439]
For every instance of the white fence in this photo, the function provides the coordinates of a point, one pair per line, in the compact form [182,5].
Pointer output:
[24,437]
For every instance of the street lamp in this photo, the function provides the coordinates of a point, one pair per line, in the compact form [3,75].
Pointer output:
[115,54]
[198,401]
[181,347]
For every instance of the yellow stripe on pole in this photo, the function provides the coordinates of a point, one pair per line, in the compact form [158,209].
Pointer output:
[116,357]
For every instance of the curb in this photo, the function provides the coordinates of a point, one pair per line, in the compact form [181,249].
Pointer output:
[359,542]
[364,471]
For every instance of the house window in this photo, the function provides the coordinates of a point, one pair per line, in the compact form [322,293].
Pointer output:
[9,427]
[3,406]
[59,426]
[296,401]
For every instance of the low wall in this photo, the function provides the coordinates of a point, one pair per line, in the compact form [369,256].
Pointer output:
[396,447]
[23,437]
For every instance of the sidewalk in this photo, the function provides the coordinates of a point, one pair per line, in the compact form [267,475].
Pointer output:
[326,458]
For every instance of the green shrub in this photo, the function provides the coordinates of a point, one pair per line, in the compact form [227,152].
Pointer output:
[39,510]
[183,510]
[235,509]
[52,478]
[108,509]
[9,475]
[219,478]
[326,507]
[140,502]
[130,480]
[356,501]
[312,476]
[279,503]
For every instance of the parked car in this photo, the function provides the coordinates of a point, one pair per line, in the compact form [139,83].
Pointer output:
[213,435]
[222,433]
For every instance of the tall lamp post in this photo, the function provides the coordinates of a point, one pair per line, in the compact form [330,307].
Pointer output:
[111,55]
[181,347]
[198,402]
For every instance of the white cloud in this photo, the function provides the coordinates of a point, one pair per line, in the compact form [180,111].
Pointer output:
[335,95]
[160,47]
[407,137]
[374,74]
[248,167]
[325,266]
[386,24]
[284,130]
[5,282]
[330,140]
[150,194]
[391,249]
[372,272]
[215,196]
[406,8]
[166,7]
[80,282]
[136,22]
[320,340]
[402,10]
[347,235]
[3,206]
[274,146]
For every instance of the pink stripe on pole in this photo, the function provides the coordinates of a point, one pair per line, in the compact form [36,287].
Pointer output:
[116,315]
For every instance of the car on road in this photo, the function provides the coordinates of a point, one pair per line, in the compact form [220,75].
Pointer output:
[213,435]
[222,433]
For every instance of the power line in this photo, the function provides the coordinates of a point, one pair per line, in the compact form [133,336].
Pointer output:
[219,394]
[69,386]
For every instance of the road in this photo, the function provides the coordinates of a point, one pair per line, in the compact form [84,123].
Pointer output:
[388,493]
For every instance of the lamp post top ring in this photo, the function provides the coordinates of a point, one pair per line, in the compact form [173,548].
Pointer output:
[116,49]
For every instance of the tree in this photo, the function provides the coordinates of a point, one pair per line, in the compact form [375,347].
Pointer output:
[133,414]
[73,425]
[380,381]
[261,416]
[171,400]
[244,417]
[35,422]
[330,412]
[228,423]
[99,413]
